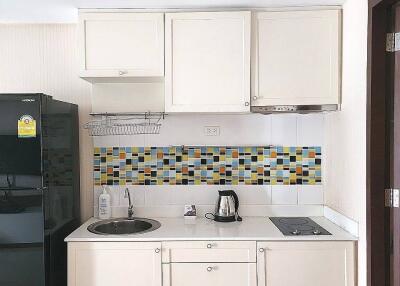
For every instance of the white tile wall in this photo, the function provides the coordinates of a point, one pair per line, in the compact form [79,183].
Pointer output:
[310,128]
[284,195]
[254,129]
[245,129]
[284,130]
[310,195]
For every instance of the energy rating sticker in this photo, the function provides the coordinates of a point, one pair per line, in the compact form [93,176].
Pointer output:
[26,127]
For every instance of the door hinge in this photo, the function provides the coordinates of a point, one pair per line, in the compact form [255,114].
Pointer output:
[392,42]
[392,198]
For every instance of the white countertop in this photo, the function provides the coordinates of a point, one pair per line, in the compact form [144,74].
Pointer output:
[176,229]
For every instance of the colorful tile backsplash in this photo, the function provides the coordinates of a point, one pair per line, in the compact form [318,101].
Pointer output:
[270,165]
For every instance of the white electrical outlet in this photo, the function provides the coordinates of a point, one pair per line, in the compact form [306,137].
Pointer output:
[211,130]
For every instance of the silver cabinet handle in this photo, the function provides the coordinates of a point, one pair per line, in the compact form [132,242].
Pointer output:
[122,72]
[209,245]
[261,250]
[247,104]
[157,250]
[254,97]
[209,269]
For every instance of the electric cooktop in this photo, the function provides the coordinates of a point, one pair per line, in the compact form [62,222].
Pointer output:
[298,226]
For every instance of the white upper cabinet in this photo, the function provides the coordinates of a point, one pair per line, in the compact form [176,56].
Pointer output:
[121,45]
[207,62]
[296,58]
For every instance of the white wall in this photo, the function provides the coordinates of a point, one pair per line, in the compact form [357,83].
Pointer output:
[43,58]
[345,133]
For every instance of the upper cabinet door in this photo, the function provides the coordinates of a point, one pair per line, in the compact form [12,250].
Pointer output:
[296,58]
[207,59]
[122,44]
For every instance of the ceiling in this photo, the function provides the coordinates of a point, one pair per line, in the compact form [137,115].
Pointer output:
[66,10]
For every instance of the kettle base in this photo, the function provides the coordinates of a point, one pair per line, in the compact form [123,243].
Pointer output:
[224,218]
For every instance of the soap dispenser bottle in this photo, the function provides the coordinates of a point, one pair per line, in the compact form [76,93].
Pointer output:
[104,204]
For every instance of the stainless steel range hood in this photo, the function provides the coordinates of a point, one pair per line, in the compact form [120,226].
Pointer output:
[294,108]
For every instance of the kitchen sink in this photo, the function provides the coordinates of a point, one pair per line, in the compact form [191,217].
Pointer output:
[124,226]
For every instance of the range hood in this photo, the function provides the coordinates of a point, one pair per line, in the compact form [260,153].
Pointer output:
[294,108]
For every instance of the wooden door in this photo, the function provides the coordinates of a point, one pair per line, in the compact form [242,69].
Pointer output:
[207,62]
[114,263]
[296,58]
[122,44]
[305,264]
[210,274]
[394,153]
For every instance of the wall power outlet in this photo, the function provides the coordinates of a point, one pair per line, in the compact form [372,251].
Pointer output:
[211,130]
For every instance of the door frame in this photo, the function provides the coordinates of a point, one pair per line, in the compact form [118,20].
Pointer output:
[377,166]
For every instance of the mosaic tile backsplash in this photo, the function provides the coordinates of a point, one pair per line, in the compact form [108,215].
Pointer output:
[270,165]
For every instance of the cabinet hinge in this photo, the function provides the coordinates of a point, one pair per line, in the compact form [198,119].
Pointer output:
[392,198]
[393,42]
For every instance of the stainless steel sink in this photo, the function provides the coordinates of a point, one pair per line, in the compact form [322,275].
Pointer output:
[124,226]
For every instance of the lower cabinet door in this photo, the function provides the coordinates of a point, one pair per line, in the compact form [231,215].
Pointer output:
[114,264]
[210,274]
[305,263]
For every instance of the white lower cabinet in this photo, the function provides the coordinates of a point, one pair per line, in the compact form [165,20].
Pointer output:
[209,274]
[114,264]
[212,263]
[305,263]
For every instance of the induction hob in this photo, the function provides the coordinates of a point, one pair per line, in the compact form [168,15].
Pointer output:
[293,226]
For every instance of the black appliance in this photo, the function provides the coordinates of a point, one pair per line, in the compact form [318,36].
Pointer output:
[39,188]
[298,226]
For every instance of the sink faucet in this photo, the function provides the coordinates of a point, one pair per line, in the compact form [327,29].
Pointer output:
[130,207]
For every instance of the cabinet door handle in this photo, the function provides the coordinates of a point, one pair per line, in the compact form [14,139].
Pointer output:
[254,97]
[209,245]
[122,72]
[157,250]
[209,269]
[261,250]
[247,104]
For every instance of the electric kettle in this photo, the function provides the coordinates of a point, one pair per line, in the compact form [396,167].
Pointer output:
[226,209]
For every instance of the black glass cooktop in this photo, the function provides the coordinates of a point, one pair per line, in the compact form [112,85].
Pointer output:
[298,226]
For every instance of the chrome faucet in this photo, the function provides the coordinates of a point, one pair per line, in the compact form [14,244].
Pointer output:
[130,207]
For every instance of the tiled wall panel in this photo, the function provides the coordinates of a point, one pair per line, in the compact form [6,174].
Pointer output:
[269,165]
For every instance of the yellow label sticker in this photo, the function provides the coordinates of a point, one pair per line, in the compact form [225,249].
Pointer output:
[26,127]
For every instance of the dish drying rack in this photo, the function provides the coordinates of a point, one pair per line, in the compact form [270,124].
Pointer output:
[125,123]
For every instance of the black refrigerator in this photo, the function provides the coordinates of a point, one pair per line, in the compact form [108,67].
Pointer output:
[39,188]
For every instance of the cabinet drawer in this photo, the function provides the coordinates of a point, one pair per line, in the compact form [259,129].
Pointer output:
[215,274]
[209,251]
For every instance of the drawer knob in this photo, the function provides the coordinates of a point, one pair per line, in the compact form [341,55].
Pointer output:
[209,269]
[261,250]
[157,250]
[209,245]
[122,72]
[247,103]
[254,97]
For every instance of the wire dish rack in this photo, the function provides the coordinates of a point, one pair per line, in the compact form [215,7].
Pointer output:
[125,123]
